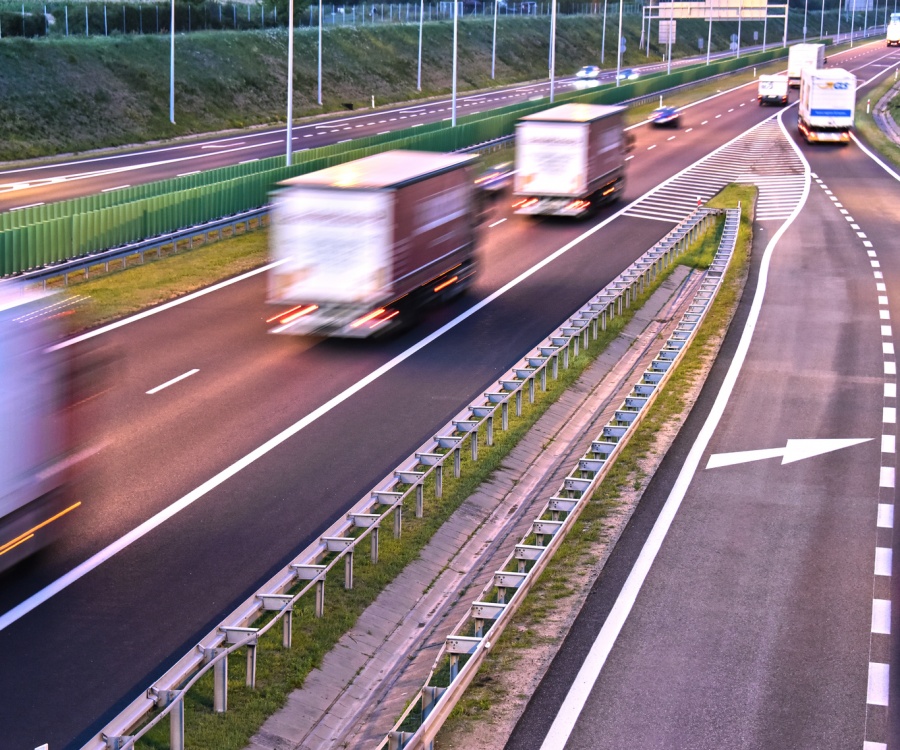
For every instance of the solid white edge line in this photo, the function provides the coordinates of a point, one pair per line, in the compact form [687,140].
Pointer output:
[161,308]
[66,580]
[173,381]
[577,696]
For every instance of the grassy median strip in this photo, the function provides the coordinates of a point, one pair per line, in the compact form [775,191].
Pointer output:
[868,128]
[512,653]
[279,671]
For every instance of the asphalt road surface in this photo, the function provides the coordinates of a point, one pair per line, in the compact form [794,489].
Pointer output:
[80,645]
[763,619]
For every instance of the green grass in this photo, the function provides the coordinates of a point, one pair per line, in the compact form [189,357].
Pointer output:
[280,671]
[123,293]
[102,92]
[576,554]
[868,128]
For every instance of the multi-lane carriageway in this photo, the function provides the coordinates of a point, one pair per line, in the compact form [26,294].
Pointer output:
[205,486]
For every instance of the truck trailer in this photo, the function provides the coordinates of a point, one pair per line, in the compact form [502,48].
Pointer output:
[36,434]
[827,104]
[801,56]
[569,159]
[772,90]
[893,31]
[360,247]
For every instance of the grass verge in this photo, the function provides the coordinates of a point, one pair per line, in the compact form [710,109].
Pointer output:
[513,655]
[868,128]
[280,671]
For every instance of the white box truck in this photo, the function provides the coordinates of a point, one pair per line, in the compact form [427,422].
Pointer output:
[360,247]
[827,103]
[772,90]
[569,159]
[893,31]
[802,56]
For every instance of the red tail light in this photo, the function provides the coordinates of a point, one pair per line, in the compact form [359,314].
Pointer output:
[293,314]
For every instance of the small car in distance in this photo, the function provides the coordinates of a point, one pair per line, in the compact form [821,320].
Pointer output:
[627,74]
[495,178]
[663,117]
[588,72]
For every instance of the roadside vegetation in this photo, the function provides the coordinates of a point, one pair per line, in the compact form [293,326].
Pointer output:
[501,674]
[868,128]
[101,92]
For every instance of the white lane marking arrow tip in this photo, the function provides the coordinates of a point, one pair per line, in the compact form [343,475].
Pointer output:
[795,450]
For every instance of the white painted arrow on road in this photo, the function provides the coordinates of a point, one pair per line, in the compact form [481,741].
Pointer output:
[795,450]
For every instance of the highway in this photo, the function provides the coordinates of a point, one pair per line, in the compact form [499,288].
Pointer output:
[758,612]
[52,181]
[171,536]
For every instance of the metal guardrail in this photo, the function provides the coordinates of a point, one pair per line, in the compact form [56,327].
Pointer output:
[470,641]
[382,507]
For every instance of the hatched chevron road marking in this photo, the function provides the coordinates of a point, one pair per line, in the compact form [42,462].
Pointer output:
[762,157]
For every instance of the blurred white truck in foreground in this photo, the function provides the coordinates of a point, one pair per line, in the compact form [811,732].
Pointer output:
[772,90]
[569,159]
[893,30]
[801,56]
[361,247]
[827,104]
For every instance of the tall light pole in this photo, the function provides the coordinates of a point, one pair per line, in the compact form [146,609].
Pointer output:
[822,21]
[552,48]
[320,53]
[852,21]
[669,38]
[603,41]
[172,68]
[709,36]
[740,18]
[494,42]
[839,21]
[805,11]
[765,28]
[455,61]
[289,146]
[619,46]
[421,22]
[866,20]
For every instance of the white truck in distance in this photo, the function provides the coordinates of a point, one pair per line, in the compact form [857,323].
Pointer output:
[827,104]
[893,30]
[772,90]
[801,56]
[361,246]
[569,159]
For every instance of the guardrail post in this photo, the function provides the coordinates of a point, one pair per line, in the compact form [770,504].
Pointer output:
[374,533]
[220,679]
[489,441]
[457,463]
[420,500]
[116,743]
[176,724]
[454,666]
[531,390]
[504,415]
[519,402]
[555,359]
[430,697]
[320,598]
[287,628]
[348,569]
[439,480]
[398,521]
[474,435]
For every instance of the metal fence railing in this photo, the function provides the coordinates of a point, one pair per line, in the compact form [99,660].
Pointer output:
[465,648]
[382,509]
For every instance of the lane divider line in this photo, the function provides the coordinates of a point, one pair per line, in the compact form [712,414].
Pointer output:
[173,381]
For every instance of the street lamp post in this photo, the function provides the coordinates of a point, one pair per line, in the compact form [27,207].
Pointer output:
[289,146]
[805,11]
[172,67]
[670,35]
[552,48]
[822,21]
[421,22]
[603,40]
[619,46]
[709,36]
[494,41]
[455,60]
[319,99]
[740,18]
[840,2]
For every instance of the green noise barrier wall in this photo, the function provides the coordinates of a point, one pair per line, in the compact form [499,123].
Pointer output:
[41,235]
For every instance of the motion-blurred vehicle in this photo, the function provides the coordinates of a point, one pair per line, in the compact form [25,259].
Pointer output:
[665,117]
[496,177]
[569,159]
[588,72]
[772,90]
[628,74]
[39,388]
[893,31]
[802,56]
[361,247]
[827,105]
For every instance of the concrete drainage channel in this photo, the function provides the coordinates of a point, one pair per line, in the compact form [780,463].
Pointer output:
[382,507]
